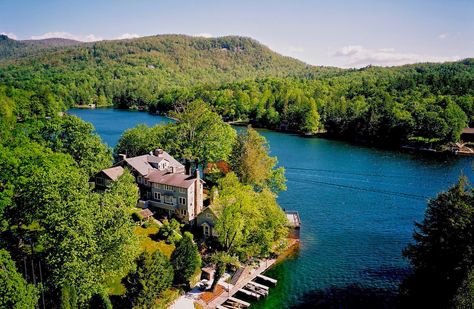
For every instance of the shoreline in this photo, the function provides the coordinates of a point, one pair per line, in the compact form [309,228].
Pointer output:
[402,148]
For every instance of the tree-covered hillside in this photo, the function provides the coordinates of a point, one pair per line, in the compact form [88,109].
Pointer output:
[134,71]
[427,104]
[422,103]
[13,49]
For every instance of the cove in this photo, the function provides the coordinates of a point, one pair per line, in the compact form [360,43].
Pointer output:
[358,206]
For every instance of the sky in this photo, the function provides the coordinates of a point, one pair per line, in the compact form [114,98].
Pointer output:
[330,33]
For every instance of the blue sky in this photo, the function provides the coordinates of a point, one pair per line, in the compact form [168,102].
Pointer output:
[338,33]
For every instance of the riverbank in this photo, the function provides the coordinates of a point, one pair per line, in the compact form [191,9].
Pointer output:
[446,152]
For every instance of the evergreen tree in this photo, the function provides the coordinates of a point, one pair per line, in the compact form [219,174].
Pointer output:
[100,301]
[185,259]
[443,252]
[153,275]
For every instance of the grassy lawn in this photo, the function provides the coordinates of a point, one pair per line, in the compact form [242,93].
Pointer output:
[150,245]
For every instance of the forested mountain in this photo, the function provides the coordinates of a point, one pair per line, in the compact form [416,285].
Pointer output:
[134,71]
[426,104]
[10,48]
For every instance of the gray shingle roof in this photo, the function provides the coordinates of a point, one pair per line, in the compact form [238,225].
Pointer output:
[172,179]
[114,172]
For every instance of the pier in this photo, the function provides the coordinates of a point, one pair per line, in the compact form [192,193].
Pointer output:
[274,281]
[245,284]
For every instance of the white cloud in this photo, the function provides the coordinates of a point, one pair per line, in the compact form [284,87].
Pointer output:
[296,49]
[359,56]
[67,35]
[10,35]
[205,35]
[127,36]
[443,36]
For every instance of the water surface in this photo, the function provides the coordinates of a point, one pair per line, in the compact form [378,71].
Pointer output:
[357,206]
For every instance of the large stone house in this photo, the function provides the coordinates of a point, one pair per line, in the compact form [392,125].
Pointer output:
[164,185]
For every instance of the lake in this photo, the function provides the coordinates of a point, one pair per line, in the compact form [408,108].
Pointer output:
[357,206]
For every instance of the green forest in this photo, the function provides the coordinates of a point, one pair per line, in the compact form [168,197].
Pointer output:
[244,81]
[66,245]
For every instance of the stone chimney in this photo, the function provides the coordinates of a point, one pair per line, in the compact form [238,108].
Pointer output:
[197,193]
[158,152]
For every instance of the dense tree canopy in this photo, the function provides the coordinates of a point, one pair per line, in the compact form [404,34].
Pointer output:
[443,252]
[15,292]
[251,161]
[199,134]
[234,205]
[424,104]
[80,237]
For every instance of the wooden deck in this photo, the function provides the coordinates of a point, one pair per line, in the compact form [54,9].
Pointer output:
[243,281]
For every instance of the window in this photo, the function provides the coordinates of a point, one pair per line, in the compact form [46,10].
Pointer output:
[168,188]
[169,200]
[206,230]
[182,190]
[182,200]
[139,179]
[158,196]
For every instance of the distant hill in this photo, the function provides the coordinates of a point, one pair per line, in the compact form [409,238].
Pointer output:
[137,69]
[426,103]
[10,48]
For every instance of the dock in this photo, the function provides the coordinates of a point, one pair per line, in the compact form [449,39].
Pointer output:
[238,301]
[249,293]
[274,281]
[259,285]
[245,285]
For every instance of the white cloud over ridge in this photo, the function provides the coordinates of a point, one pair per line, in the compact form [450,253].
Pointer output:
[11,35]
[67,35]
[205,35]
[127,36]
[359,56]
[81,38]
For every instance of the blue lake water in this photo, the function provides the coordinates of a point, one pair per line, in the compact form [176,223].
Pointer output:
[357,206]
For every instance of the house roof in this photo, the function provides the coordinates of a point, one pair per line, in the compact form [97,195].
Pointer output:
[145,213]
[210,209]
[114,172]
[167,157]
[172,179]
[142,163]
